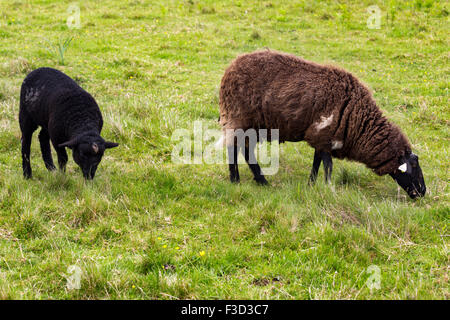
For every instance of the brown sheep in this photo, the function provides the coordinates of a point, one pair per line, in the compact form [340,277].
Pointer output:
[323,105]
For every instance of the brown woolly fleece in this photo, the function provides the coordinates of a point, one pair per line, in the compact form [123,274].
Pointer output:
[325,106]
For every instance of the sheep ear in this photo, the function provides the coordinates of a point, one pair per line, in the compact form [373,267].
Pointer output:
[109,144]
[403,167]
[69,144]
[95,147]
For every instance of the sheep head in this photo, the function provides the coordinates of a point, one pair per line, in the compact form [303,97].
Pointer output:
[87,151]
[409,176]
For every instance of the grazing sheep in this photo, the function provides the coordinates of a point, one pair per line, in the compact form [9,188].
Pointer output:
[323,105]
[69,117]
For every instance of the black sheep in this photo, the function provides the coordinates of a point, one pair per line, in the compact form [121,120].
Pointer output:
[68,116]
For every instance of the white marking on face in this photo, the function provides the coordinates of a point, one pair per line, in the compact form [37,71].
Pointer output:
[335,144]
[324,122]
[403,167]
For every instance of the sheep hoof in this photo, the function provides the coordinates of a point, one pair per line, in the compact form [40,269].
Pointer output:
[262,181]
[50,167]
[234,180]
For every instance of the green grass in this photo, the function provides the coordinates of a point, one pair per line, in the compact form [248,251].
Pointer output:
[148,228]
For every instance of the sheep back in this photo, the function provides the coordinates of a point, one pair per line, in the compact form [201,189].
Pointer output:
[323,105]
[57,103]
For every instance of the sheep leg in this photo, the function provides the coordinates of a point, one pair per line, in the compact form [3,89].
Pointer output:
[328,165]
[26,149]
[27,126]
[233,163]
[62,157]
[249,155]
[44,140]
[315,167]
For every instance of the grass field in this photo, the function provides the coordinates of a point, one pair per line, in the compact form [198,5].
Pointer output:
[146,228]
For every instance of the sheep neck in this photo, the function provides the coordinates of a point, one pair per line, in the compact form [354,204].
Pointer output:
[380,145]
